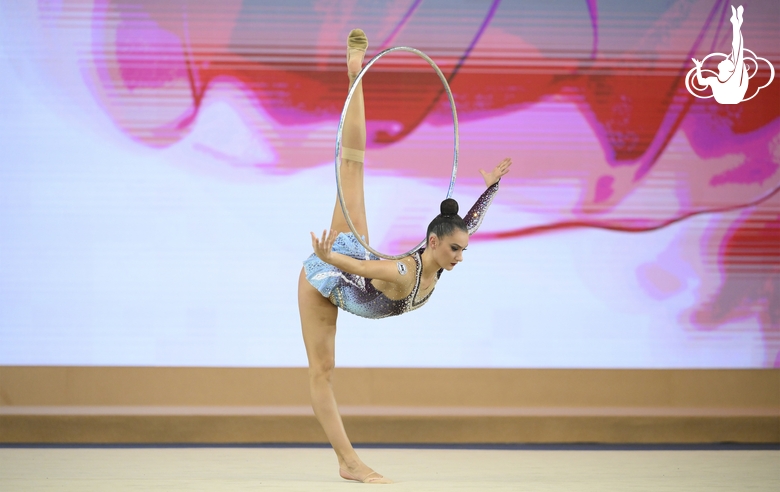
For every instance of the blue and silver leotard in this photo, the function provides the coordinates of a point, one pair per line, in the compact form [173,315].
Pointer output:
[357,294]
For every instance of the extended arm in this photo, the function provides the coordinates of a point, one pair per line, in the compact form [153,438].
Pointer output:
[473,217]
[374,269]
[701,80]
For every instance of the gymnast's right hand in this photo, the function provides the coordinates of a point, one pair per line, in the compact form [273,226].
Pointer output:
[323,246]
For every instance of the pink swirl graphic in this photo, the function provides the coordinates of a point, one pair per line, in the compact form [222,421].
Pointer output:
[587,98]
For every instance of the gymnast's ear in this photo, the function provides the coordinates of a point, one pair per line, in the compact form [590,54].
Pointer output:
[433,241]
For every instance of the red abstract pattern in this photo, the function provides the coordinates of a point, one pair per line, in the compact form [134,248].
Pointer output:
[151,64]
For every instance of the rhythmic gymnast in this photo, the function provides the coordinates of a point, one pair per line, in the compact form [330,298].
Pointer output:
[341,274]
[731,84]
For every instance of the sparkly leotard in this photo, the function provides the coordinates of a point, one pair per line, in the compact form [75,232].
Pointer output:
[357,294]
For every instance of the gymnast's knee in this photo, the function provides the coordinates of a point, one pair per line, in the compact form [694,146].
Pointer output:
[322,371]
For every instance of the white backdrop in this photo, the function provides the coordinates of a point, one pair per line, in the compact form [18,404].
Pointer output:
[114,252]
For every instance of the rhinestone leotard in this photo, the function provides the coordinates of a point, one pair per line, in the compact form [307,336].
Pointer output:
[357,294]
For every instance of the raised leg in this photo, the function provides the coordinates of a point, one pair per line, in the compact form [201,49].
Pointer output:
[736,36]
[353,143]
[318,323]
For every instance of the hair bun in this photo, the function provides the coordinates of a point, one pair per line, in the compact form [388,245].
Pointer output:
[449,207]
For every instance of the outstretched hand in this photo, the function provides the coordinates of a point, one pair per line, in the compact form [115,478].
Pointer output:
[696,62]
[493,176]
[323,246]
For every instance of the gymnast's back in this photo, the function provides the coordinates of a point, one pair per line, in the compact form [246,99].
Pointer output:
[358,295]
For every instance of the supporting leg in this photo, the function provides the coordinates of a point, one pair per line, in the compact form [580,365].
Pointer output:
[318,323]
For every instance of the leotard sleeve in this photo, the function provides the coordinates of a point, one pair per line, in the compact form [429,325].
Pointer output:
[473,218]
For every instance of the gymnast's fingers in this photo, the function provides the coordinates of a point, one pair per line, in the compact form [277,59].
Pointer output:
[319,241]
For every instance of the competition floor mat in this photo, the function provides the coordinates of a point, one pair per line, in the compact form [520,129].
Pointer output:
[429,468]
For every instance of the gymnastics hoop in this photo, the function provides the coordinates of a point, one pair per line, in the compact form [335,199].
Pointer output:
[341,127]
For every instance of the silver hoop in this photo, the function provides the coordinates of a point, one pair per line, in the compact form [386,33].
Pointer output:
[341,127]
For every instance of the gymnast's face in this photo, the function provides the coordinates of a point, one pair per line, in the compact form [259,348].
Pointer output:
[448,251]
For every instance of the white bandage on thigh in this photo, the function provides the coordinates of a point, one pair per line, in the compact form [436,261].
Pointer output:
[353,154]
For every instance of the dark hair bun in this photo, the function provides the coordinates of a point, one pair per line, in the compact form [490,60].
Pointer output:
[449,207]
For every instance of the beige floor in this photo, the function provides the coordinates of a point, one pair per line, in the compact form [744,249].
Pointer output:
[314,469]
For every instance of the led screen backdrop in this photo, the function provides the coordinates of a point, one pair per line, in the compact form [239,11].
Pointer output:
[164,161]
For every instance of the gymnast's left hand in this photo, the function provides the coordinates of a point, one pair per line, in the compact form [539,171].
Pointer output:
[493,176]
[323,247]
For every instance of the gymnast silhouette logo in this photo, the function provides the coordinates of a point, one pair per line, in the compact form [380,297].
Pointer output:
[730,84]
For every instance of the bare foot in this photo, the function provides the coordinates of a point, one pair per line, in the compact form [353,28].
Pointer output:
[357,43]
[359,472]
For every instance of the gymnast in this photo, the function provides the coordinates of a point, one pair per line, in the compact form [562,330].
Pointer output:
[342,274]
[731,84]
